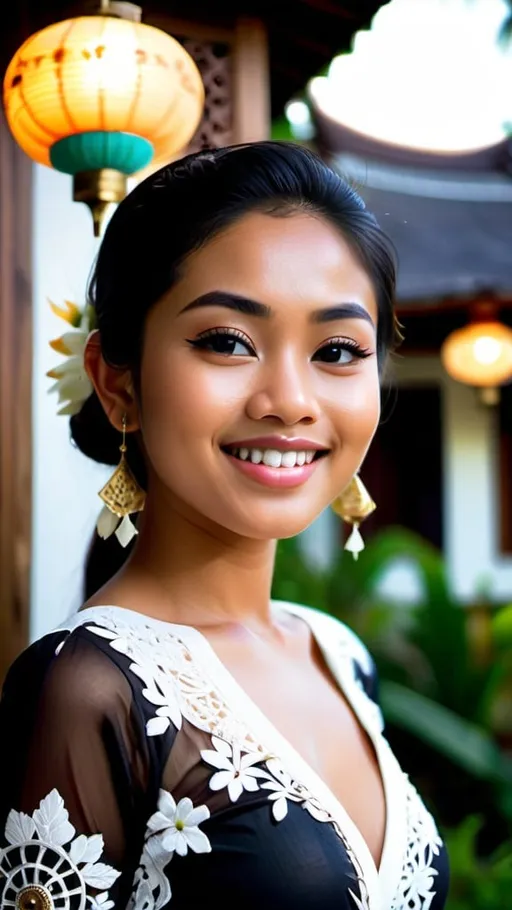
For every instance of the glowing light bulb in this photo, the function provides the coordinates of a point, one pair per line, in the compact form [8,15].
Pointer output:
[487,350]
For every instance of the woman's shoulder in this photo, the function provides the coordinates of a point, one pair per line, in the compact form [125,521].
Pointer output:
[69,662]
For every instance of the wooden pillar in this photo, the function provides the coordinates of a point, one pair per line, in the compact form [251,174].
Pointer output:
[15,396]
[251,82]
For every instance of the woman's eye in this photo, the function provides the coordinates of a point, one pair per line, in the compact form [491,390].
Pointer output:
[340,352]
[227,343]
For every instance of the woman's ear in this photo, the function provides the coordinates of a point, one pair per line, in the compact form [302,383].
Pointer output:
[113,386]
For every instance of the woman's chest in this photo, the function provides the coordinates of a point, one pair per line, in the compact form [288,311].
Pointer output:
[240,804]
[315,718]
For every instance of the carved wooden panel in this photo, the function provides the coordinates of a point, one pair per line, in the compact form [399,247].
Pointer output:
[214,60]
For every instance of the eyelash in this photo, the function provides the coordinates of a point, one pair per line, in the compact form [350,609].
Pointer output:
[204,338]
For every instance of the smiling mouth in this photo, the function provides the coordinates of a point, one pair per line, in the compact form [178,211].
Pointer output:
[274,458]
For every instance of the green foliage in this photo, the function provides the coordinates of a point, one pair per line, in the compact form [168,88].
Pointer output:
[466,744]
[433,686]
[476,883]
[280,130]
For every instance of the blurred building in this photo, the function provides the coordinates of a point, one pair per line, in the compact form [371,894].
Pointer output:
[441,463]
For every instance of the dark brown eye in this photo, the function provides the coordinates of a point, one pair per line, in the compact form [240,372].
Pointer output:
[340,352]
[225,342]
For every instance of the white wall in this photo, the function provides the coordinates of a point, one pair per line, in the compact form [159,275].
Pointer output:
[65,504]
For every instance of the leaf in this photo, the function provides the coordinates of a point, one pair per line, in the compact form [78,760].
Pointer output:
[468,745]
[19,828]
[99,875]
[86,849]
[52,820]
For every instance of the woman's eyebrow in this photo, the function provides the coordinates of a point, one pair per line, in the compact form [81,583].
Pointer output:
[262,311]
[232,302]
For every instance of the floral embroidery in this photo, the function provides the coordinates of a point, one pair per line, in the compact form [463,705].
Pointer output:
[416,888]
[177,826]
[160,686]
[171,829]
[283,788]
[236,768]
[238,772]
[58,874]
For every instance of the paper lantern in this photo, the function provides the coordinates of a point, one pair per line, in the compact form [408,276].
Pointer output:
[479,354]
[102,93]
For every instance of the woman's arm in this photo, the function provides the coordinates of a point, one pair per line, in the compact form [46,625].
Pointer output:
[74,793]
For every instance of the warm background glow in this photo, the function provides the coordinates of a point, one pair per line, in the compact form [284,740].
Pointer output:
[430,74]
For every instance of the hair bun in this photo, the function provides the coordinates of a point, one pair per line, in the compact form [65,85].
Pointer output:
[93,434]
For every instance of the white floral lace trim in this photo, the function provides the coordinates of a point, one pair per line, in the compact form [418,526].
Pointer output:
[237,771]
[416,888]
[172,829]
[38,866]
[173,682]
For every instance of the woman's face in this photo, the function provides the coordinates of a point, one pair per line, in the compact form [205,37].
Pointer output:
[256,352]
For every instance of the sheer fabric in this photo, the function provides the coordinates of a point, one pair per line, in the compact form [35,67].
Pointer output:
[140,775]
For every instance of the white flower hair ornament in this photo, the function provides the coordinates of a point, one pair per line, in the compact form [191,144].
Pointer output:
[122,496]
[72,383]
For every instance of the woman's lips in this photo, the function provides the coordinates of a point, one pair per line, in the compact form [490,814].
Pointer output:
[283,478]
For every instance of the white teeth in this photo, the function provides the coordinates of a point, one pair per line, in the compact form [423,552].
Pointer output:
[289,459]
[272,458]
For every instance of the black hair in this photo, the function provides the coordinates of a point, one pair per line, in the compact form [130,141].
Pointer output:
[174,212]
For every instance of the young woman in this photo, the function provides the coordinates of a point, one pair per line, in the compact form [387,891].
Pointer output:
[183,741]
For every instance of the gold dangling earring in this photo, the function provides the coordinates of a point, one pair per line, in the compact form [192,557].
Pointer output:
[122,496]
[353,505]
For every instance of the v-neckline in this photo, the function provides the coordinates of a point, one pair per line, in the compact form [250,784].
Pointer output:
[382,881]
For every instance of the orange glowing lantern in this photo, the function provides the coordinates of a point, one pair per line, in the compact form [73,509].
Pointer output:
[480,355]
[100,97]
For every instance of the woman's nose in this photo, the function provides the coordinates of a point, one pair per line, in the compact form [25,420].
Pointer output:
[285,392]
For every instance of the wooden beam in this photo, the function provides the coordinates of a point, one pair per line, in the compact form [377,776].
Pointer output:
[15,396]
[251,82]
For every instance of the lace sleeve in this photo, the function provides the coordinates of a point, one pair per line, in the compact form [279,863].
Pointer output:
[73,796]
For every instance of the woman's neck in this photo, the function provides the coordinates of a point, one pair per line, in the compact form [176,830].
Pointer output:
[187,571]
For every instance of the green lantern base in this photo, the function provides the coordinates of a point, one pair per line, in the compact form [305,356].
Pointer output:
[98,150]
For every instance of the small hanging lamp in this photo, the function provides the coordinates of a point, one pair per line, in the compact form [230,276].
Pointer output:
[99,97]
[480,354]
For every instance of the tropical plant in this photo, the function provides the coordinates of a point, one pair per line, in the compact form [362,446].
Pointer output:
[438,690]
[477,883]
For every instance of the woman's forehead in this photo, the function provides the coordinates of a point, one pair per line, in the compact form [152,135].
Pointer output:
[300,255]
